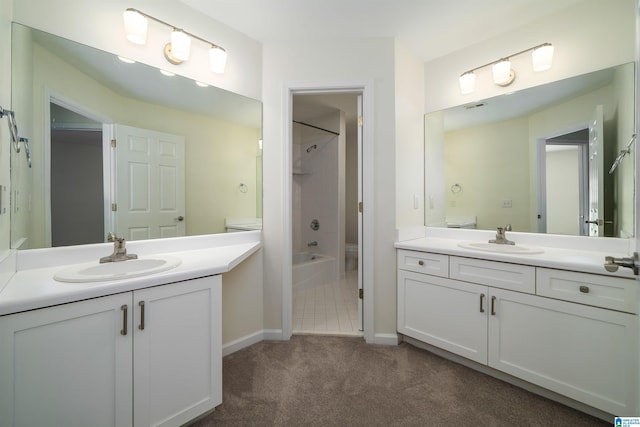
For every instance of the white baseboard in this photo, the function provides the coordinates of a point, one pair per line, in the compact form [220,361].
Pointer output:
[276,335]
[273,335]
[254,338]
[386,339]
[243,342]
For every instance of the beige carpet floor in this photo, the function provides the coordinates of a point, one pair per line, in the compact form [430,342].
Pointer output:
[341,381]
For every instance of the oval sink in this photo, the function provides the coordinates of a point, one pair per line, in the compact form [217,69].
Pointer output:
[96,272]
[502,249]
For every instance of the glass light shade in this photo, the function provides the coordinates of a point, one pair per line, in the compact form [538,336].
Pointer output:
[180,45]
[542,57]
[502,72]
[135,26]
[467,83]
[217,59]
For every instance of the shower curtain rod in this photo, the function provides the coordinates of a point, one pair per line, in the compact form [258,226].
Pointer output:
[315,127]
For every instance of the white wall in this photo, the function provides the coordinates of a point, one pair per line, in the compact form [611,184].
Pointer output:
[409,138]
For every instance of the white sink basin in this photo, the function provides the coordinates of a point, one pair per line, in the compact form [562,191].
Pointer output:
[96,272]
[502,249]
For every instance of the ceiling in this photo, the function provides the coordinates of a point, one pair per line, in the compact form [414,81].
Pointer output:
[430,28]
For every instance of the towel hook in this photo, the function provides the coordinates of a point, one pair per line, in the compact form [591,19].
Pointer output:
[13,131]
[623,152]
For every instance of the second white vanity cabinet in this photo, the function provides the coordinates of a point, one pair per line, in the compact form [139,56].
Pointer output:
[501,315]
[147,357]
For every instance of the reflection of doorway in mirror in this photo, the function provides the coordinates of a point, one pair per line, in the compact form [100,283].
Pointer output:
[76,178]
[567,181]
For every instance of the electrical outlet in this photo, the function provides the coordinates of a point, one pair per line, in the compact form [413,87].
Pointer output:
[507,203]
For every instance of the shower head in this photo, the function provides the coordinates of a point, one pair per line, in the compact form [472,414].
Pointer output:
[313,147]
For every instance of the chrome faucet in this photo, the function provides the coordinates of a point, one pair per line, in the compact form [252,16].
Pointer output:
[501,238]
[314,243]
[119,250]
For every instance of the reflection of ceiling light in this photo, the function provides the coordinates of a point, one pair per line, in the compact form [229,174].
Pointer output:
[201,84]
[135,25]
[177,51]
[167,73]
[126,60]
[503,74]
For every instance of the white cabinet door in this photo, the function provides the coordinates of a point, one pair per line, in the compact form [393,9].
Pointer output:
[68,365]
[582,352]
[178,351]
[446,313]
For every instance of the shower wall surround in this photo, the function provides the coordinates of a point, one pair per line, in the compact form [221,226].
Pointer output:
[318,190]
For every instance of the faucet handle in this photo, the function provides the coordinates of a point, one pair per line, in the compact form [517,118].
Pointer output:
[111,237]
[507,227]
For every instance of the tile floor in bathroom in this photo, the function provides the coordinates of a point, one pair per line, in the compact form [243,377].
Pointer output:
[331,308]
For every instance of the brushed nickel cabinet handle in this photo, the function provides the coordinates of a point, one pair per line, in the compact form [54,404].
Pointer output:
[421,262]
[493,306]
[141,326]
[123,331]
[481,303]
[584,289]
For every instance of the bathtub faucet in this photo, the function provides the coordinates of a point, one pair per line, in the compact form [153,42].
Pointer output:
[314,243]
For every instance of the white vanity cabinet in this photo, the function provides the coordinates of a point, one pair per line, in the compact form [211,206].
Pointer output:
[564,331]
[148,357]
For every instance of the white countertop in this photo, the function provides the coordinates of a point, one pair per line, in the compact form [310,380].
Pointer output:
[560,252]
[32,285]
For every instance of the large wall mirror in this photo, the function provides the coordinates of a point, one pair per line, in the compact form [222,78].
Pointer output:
[121,147]
[539,159]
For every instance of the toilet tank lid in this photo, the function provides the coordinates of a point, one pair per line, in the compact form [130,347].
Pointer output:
[460,220]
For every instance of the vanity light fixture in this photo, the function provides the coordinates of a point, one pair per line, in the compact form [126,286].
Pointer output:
[178,49]
[503,74]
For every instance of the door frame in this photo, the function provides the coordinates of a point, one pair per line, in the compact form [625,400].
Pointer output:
[366,236]
[51,96]
[541,172]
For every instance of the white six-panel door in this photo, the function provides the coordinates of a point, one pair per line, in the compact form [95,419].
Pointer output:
[150,184]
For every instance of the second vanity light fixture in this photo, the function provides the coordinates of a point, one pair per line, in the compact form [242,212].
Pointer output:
[503,74]
[177,51]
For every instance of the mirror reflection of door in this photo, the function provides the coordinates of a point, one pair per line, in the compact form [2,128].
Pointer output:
[567,181]
[77,211]
[150,184]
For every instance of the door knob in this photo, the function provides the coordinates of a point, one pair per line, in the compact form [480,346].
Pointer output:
[180,218]
[611,264]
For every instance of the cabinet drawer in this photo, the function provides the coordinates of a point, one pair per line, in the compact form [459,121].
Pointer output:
[601,291]
[423,262]
[520,278]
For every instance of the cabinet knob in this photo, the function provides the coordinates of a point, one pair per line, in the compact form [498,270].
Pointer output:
[584,289]
[421,263]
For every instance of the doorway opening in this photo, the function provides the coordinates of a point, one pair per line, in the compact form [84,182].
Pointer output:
[77,172]
[326,141]
[566,176]
[365,224]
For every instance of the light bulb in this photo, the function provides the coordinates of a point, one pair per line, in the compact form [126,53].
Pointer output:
[135,26]
[467,83]
[542,57]
[502,72]
[180,45]
[217,59]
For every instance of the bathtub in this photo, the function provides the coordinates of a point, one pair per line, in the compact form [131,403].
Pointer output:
[311,270]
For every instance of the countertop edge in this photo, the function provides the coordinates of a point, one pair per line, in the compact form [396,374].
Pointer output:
[22,293]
